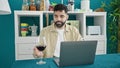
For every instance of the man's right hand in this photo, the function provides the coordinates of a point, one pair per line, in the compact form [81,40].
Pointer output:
[37,52]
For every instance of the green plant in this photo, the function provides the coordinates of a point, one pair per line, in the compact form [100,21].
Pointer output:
[103,4]
[113,22]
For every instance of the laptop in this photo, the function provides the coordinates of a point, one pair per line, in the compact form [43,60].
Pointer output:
[76,53]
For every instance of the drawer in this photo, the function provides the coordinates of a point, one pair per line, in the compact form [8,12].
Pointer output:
[24,57]
[100,52]
[25,48]
[101,45]
[27,40]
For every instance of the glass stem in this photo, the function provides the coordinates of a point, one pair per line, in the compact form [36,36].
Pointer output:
[41,58]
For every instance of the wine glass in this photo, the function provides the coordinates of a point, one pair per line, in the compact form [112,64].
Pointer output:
[41,48]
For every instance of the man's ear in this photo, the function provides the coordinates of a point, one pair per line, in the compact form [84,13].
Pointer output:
[67,16]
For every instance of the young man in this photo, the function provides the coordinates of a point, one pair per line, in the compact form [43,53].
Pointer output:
[57,32]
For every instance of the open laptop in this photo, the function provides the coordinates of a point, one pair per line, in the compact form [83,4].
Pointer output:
[76,53]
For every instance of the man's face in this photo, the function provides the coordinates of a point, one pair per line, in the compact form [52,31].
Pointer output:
[60,18]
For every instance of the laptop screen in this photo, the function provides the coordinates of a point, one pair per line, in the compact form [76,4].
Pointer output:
[77,53]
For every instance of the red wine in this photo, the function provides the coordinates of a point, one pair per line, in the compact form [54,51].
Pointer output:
[41,48]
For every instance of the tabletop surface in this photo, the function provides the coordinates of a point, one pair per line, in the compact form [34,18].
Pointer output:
[101,61]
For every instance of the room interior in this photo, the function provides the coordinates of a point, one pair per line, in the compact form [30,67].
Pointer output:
[7,27]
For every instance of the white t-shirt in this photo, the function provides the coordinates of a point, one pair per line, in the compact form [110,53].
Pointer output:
[59,40]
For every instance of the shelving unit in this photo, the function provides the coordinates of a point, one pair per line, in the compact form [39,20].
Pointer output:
[24,45]
[98,19]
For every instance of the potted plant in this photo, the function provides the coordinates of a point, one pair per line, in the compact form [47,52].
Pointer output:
[102,7]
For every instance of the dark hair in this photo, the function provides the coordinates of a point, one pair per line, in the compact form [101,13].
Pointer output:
[60,7]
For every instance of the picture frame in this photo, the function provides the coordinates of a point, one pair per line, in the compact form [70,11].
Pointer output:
[74,23]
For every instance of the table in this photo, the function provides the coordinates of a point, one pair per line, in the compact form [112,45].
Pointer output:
[101,61]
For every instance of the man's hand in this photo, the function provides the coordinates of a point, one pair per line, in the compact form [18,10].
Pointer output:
[37,52]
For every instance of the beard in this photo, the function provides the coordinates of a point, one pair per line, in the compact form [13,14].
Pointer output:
[59,24]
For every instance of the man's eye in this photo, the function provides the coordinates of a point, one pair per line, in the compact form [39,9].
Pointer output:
[55,16]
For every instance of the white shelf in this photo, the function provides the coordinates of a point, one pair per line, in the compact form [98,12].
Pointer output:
[95,14]
[28,13]
[95,37]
